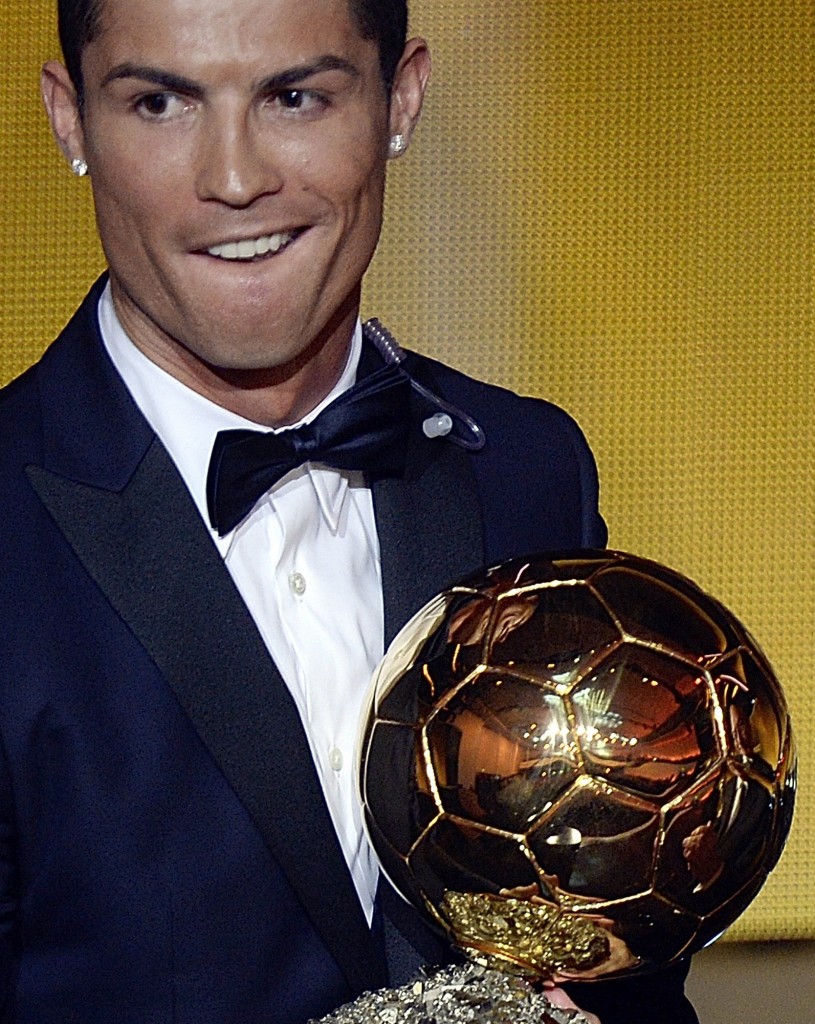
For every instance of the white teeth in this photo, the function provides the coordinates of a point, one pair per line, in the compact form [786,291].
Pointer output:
[248,248]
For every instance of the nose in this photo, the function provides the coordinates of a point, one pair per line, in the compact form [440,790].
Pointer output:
[234,167]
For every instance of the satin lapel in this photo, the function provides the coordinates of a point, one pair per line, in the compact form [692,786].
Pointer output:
[429,525]
[148,551]
[430,535]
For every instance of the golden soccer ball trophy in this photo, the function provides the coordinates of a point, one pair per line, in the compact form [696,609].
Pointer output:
[577,766]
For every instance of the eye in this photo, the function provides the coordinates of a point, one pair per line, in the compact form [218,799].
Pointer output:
[161,106]
[300,101]
[293,99]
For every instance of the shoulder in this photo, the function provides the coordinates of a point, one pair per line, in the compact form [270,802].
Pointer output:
[535,474]
[51,377]
[20,420]
[24,402]
[75,406]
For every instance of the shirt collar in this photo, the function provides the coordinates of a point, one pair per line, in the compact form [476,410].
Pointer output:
[187,422]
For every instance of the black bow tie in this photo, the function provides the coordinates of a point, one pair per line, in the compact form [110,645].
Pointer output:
[365,428]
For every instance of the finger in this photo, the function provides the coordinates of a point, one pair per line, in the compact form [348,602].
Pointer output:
[557,997]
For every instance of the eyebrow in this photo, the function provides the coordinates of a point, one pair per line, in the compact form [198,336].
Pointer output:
[173,82]
[329,62]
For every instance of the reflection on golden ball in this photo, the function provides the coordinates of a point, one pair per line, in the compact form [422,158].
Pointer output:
[578,765]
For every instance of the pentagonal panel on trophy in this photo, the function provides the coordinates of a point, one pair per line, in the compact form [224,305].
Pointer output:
[660,613]
[598,841]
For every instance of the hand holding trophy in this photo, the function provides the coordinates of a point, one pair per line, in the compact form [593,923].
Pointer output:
[578,767]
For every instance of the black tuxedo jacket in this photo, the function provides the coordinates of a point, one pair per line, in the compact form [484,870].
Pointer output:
[166,856]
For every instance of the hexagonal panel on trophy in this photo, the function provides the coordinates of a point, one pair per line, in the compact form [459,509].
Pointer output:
[786,787]
[544,568]
[395,786]
[715,841]
[464,857]
[754,712]
[720,919]
[552,634]
[655,931]
[393,863]
[500,751]
[426,658]
[644,721]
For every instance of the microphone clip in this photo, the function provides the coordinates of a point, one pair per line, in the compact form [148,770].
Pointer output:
[448,421]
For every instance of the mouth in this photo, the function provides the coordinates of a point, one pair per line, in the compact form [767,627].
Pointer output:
[247,249]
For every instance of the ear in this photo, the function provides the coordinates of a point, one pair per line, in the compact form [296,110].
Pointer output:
[407,94]
[59,97]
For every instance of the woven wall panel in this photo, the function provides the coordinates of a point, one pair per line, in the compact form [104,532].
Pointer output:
[610,203]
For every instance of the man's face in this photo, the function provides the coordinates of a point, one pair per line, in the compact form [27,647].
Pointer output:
[237,152]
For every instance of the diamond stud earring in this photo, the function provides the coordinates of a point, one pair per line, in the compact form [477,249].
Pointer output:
[397,145]
[79,167]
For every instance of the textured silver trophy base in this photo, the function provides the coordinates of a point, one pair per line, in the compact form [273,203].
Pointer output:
[455,995]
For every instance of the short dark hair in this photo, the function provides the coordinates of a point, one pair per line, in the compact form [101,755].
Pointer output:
[78,24]
[385,21]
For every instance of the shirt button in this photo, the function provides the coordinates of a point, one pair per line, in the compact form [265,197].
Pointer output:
[297,584]
[335,759]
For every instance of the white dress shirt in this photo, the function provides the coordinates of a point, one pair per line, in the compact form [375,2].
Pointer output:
[306,562]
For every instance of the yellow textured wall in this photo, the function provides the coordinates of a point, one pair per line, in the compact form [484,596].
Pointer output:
[610,203]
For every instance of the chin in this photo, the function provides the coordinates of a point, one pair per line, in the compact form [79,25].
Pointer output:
[270,360]
[257,349]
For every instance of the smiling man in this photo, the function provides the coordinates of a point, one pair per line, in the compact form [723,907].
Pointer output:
[194,602]
[237,154]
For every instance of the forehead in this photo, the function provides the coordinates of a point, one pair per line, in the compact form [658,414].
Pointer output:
[211,31]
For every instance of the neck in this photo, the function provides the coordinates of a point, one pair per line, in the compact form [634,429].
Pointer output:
[277,396]
[272,395]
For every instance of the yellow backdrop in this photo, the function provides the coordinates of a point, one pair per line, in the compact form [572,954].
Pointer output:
[609,203]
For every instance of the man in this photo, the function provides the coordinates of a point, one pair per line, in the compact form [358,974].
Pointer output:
[183,670]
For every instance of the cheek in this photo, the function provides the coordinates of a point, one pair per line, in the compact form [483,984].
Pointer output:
[136,182]
[136,207]
[125,219]
[361,184]
[348,167]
